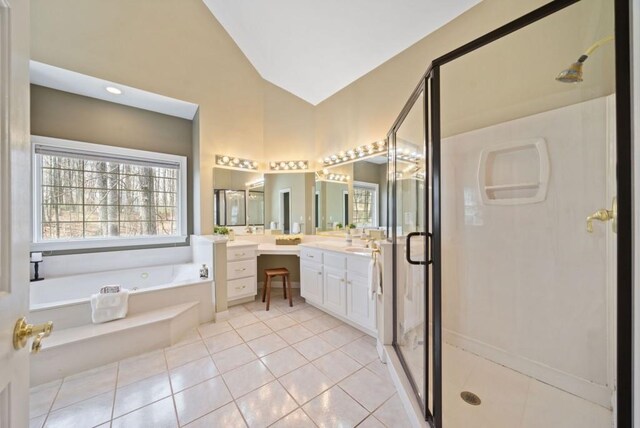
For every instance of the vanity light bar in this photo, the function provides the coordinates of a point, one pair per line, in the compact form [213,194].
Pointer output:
[359,152]
[289,165]
[408,155]
[325,175]
[235,162]
[253,184]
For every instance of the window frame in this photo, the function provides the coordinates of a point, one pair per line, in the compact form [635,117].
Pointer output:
[375,187]
[38,244]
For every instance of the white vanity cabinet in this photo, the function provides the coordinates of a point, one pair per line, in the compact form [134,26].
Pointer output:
[339,284]
[242,269]
[361,307]
[335,292]
[311,282]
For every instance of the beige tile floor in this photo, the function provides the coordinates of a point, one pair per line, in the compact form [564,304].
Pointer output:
[289,367]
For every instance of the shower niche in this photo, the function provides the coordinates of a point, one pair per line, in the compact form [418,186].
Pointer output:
[514,173]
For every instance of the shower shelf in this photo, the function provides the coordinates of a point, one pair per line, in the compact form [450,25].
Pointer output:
[522,186]
[514,173]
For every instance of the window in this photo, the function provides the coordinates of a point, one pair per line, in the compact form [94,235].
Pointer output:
[365,204]
[89,195]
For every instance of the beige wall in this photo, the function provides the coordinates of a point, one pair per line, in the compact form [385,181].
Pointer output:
[481,91]
[178,50]
[288,126]
[73,117]
[183,52]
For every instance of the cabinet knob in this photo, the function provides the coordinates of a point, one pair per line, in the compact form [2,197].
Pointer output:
[319,273]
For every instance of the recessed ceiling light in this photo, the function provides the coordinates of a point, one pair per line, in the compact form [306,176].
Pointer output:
[113,90]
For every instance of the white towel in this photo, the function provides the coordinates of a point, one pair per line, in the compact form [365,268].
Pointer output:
[375,278]
[296,228]
[109,306]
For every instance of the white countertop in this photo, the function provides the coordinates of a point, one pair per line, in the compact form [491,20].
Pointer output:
[357,248]
[274,249]
[270,248]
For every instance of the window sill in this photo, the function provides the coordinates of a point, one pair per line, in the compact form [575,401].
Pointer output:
[106,243]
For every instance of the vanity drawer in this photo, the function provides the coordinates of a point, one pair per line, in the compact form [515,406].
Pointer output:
[310,255]
[241,287]
[241,269]
[240,253]
[358,265]
[335,261]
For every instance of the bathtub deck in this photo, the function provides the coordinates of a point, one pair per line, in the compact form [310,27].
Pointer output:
[80,348]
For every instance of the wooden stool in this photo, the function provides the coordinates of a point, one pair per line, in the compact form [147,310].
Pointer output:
[286,283]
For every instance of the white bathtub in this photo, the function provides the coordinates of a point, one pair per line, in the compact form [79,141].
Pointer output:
[66,300]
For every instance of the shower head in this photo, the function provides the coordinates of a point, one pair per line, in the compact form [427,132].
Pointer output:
[573,74]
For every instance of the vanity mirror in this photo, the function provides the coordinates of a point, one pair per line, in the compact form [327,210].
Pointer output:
[237,198]
[351,194]
[331,200]
[288,202]
[280,202]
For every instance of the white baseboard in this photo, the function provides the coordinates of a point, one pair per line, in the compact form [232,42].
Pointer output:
[598,394]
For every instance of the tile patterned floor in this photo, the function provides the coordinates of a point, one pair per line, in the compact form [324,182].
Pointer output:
[289,367]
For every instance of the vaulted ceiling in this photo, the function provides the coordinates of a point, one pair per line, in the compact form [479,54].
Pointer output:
[315,48]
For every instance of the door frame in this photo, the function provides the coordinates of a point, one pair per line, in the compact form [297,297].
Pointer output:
[281,208]
[624,160]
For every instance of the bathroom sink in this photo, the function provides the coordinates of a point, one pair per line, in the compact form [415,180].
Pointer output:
[359,250]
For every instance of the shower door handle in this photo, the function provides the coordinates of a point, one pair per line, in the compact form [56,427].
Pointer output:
[408,251]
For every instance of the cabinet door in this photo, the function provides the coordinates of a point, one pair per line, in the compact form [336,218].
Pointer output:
[311,282]
[335,294]
[361,308]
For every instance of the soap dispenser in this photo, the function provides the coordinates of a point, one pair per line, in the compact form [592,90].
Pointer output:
[204,272]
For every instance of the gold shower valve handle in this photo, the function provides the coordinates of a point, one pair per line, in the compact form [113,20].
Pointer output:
[600,215]
[23,331]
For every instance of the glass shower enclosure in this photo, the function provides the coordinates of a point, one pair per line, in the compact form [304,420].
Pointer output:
[510,204]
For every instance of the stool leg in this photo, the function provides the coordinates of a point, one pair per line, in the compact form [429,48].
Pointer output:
[264,287]
[289,287]
[268,292]
[284,286]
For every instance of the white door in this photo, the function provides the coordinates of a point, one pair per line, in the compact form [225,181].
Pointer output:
[14,208]
[360,305]
[311,282]
[335,295]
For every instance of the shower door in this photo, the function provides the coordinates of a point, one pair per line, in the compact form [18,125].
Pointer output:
[512,228]
[409,185]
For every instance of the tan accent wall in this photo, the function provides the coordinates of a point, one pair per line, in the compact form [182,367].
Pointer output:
[73,117]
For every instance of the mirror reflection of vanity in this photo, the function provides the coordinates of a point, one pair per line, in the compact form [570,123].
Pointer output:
[279,202]
[237,199]
[324,202]
[352,194]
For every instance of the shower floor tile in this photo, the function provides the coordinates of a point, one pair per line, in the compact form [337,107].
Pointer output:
[509,399]
[228,375]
